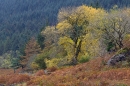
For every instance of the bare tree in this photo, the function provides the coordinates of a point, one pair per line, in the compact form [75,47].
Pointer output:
[115,26]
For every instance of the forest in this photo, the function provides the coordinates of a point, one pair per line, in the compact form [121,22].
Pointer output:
[87,42]
[20,20]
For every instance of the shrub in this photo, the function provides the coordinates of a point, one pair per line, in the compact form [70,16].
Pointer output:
[35,66]
[53,62]
[40,60]
[18,79]
[39,73]
[52,69]
[2,79]
[84,59]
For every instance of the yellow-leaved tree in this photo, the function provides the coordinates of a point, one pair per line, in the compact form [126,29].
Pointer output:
[79,36]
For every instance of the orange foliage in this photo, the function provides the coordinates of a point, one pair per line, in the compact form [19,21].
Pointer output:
[39,73]
[115,74]
[6,71]
[35,81]
[13,78]
[18,78]
[126,43]
[2,79]
[31,48]
[52,69]
[92,73]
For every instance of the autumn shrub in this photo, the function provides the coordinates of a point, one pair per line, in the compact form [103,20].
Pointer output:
[103,83]
[52,69]
[35,81]
[95,64]
[18,78]
[39,73]
[115,74]
[2,79]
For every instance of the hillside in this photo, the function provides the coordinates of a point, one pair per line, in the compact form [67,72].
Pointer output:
[92,73]
[65,43]
[22,19]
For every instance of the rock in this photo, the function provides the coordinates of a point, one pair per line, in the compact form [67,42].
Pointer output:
[115,59]
[47,72]
[2,85]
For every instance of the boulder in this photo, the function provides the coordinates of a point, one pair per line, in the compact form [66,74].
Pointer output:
[115,59]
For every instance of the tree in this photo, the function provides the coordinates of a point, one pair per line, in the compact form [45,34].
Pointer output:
[40,40]
[116,25]
[31,49]
[51,35]
[74,24]
[15,64]
[40,60]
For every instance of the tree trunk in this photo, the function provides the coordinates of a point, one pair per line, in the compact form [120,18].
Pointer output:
[78,49]
[120,44]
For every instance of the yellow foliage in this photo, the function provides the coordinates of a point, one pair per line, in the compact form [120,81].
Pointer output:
[85,18]
[34,66]
[63,25]
[81,14]
[68,45]
[91,45]
[58,62]
[127,37]
[53,62]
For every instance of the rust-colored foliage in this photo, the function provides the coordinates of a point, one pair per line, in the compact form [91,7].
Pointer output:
[13,78]
[115,74]
[31,48]
[40,73]
[35,81]
[92,73]
[52,69]
[126,42]
[18,78]
[2,79]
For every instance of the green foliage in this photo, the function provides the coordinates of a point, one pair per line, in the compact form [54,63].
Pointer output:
[15,63]
[6,63]
[10,59]
[123,51]
[40,60]
[110,46]
[40,40]
[22,19]
[84,59]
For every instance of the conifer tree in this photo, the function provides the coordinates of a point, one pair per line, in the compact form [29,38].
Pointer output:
[31,49]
